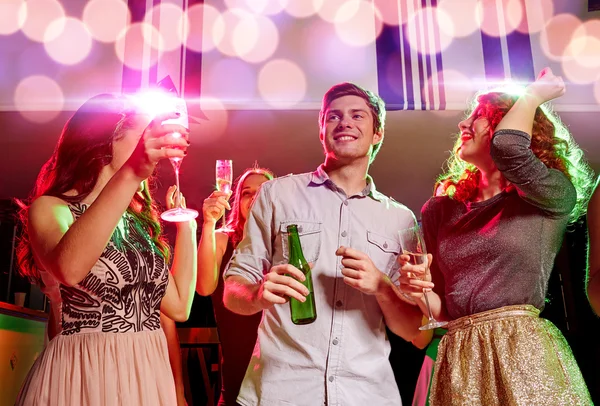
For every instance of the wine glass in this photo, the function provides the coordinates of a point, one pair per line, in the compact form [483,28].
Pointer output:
[413,245]
[224,175]
[178,213]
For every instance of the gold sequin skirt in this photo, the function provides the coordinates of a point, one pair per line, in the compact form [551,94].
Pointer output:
[506,356]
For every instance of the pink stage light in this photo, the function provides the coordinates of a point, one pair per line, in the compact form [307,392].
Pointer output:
[12,16]
[105,19]
[281,83]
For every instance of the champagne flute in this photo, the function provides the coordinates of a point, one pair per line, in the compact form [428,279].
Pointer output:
[413,245]
[178,213]
[224,175]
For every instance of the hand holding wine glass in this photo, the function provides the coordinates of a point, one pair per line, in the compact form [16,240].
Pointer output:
[178,213]
[224,177]
[415,268]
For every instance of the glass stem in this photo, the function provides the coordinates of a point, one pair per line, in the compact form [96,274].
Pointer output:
[428,306]
[176,165]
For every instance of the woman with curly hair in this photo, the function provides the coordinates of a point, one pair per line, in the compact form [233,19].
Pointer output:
[237,333]
[93,242]
[515,182]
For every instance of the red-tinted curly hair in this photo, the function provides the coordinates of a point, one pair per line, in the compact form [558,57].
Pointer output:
[551,142]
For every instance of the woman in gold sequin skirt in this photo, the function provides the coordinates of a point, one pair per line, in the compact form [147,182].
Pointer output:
[515,181]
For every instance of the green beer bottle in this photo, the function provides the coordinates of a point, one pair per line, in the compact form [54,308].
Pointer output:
[302,312]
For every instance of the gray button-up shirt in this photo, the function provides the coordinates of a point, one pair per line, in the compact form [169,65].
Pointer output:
[342,357]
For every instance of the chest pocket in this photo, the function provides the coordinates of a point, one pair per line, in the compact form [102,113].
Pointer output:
[383,251]
[310,239]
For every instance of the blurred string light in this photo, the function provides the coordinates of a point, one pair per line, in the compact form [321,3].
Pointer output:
[165,18]
[356,23]
[499,17]
[421,32]
[556,35]
[264,7]
[251,37]
[12,16]
[40,14]
[303,8]
[281,83]
[461,14]
[581,59]
[458,88]
[106,19]
[137,55]
[203,28]
[69,41]
[38,98]
[538,12]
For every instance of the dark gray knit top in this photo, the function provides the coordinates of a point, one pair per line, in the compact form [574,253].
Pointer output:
[500,251]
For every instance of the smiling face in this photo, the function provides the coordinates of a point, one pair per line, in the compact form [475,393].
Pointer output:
[475,135]
[347,132]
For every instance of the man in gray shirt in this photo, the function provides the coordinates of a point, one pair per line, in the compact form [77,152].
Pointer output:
[348,231]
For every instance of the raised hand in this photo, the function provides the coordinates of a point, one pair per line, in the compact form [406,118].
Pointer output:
[360,272]
[546,87]
[158,142]
[280,284]
[214,206]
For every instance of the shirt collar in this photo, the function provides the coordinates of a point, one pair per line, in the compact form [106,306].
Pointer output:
[320,177]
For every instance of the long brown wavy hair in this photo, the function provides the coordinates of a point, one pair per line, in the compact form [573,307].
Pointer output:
[551,142]
[85,147]
[235,223]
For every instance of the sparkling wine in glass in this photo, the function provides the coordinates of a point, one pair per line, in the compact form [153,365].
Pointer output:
[413,245]
[224,175]
[178,213]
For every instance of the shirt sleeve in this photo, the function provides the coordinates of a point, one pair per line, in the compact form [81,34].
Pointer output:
[543,187]
[252,258]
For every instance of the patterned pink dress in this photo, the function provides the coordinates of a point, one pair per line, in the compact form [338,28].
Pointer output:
[109,349]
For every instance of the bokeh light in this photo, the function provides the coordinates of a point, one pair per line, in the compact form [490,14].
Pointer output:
[303,8]
[356,24]
[458,88]
[230,20]
[255,38]
[281,83]
[338,10]
[538,13]
[462,14]
[40,14]
[265,7]
[389,12]
[204,28]
[132,49]
[12,16]
[556,35]
[166,19]
[38,98]
[419,29]
[499,17]
[105,19]
[581,59]
[71,42]
[326,55]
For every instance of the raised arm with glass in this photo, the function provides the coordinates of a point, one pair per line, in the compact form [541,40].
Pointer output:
[178,213]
